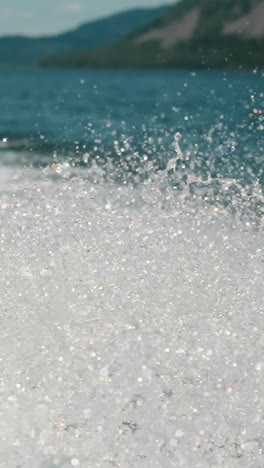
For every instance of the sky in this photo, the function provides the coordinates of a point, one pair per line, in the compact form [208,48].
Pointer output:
[38,17]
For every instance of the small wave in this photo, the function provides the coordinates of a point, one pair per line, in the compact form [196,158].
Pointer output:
[132,321]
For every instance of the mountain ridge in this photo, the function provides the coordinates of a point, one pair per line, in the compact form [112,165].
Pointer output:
[24,50]
[190,34]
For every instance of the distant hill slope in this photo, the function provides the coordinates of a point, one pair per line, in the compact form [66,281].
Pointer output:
[20,50]
[190,34]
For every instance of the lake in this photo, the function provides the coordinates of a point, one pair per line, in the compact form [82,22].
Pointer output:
[131,269]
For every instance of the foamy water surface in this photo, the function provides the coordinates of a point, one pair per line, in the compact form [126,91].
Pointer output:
[131,269]
[131,327]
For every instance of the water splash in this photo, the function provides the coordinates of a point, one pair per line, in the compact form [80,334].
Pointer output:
[172,163]
[131,327]
[131,296]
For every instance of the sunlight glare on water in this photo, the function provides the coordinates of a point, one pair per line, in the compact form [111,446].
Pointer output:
[131,315]
[131,331]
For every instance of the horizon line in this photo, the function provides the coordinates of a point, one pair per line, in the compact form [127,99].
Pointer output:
[92,20]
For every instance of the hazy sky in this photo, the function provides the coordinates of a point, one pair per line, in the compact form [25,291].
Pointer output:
[37,17]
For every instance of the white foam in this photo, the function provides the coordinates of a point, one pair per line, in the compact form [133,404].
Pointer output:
[131,329]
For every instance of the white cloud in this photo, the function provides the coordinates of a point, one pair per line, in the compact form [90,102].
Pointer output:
[71,7]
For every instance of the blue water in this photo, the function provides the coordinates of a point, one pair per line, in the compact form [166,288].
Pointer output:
[131,269]
[128,117]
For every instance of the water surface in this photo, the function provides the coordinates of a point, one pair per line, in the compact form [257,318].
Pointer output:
[131,269]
